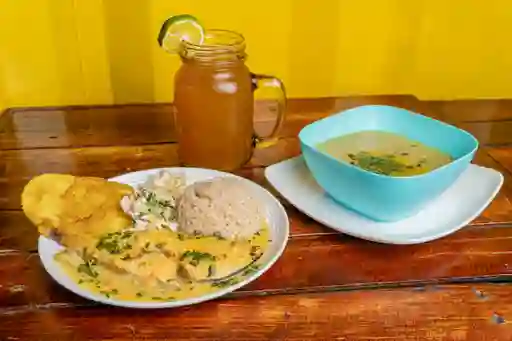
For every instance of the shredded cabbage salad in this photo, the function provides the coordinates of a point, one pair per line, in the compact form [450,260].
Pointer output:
[154,203]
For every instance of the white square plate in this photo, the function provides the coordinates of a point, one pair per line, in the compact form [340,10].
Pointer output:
[456,207]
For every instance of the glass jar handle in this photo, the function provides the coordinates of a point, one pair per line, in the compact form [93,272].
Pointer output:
[259,81]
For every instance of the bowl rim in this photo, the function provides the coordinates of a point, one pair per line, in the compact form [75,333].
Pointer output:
[310,126]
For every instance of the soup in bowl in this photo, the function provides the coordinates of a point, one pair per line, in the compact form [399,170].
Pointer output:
[383,162]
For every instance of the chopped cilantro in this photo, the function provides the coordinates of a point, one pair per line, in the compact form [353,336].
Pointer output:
[108,294]
[158,298]
[126,234]
[385,164]
[250,269]
[225,283]
[195,257]
[87,268]
[152,200]
[115,243]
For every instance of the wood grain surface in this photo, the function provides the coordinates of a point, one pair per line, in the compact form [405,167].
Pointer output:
[326,286]
[424,313]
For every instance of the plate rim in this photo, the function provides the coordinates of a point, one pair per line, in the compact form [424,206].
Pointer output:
[383,239]
[55,271]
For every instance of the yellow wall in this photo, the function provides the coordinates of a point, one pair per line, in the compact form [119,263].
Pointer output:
[55,52]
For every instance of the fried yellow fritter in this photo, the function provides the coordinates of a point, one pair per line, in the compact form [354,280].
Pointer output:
[75,210]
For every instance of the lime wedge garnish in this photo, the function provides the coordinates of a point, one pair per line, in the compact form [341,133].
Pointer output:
[178,28]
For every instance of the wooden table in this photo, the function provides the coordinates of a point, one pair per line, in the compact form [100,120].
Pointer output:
[326,286]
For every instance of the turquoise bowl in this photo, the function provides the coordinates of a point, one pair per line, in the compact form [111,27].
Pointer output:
[381,197]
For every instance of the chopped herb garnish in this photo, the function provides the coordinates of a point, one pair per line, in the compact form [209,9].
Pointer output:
[166,203]
[87,268]
[384,165]
[250,269]
[160,245]
[196,256]
[115,243]
[149,196]
[152,200]
[109,293]
[157,298]
[80,281]
[126,234]
[226,282]
[139,294]
[181,237]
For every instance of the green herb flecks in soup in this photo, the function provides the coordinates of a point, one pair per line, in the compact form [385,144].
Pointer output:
[385,153]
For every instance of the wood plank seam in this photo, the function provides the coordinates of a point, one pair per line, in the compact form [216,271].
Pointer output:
[413,286]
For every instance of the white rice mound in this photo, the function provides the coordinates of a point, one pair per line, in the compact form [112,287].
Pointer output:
[223,206]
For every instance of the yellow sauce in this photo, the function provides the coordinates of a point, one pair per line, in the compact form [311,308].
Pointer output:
[385,153]
[161,265]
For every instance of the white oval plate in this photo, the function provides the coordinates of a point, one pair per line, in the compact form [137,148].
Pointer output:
[452,210]
[275,214]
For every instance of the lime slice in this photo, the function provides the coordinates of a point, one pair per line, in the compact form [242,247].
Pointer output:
[179,28]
